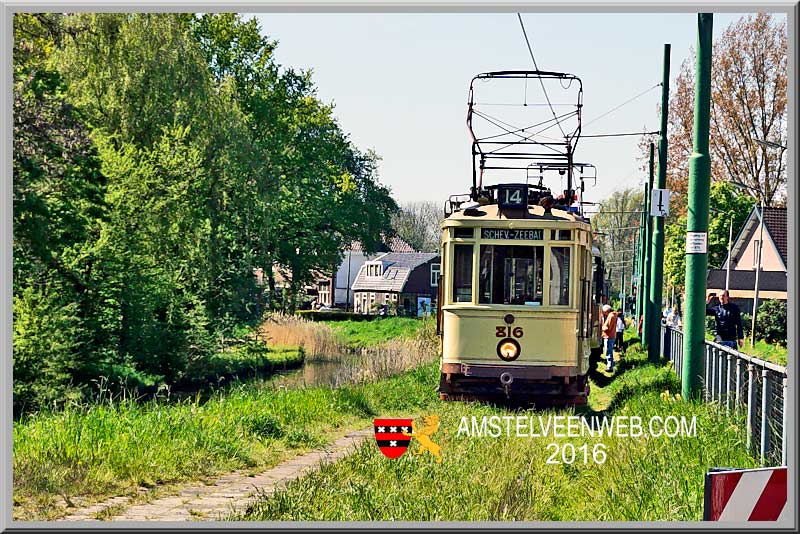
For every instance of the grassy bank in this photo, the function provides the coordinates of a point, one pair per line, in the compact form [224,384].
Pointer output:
[508,478]
[360,334]
[87,453]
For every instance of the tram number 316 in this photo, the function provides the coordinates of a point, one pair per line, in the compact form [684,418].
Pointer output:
[507,331]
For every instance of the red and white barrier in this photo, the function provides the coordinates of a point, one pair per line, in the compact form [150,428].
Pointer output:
[746,495]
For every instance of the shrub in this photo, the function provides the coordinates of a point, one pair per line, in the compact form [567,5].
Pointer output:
[771,321]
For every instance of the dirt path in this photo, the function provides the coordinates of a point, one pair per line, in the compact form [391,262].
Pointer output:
[230,492]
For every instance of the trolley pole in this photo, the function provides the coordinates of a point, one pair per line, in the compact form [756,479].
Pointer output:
[647,255]
[657,261]
[697,220]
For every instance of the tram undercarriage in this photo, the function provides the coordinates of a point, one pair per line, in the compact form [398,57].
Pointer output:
[541,386]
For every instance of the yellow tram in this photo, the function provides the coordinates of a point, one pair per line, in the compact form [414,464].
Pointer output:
[519,317]
[522,281]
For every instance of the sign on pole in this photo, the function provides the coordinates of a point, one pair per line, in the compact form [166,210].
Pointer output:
[696,242]
[659,202]
[746,495]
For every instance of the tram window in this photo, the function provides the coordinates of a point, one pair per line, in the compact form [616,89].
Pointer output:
[511,274]
[464,233]
[462,273]
[559,276]
[561,235]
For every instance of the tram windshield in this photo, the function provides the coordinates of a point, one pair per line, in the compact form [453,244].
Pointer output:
[511,274]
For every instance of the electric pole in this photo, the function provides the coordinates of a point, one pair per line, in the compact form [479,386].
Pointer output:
[647,255]
[697,217]
[657,256]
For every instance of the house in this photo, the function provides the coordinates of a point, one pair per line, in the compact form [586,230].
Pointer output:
[743,258]
[407,282]
[334,290]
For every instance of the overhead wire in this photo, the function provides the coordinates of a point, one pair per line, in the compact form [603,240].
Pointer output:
[624,103]
[525,34]
[620,134]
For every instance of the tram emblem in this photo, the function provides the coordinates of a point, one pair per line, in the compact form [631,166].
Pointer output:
[393,436]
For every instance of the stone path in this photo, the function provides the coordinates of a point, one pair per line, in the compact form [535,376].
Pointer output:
[232,492]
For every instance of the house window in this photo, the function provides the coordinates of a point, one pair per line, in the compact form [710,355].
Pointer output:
[755,254]
[435,270]
[374,270]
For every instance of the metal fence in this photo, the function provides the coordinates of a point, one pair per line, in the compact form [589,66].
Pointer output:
[744,385]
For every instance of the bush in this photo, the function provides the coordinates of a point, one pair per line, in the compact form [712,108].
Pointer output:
[47,343]
[771,321]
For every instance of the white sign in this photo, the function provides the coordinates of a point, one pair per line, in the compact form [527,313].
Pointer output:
[659,202]
[696,242]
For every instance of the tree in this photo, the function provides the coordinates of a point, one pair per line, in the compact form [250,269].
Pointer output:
[748,103]
[417,223]
[728,205]
[617,224]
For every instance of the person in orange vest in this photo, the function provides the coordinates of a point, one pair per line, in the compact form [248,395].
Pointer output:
[609,335]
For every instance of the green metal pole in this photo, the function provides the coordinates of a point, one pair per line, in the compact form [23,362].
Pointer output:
[657,269]
[634,274]
[647,255]
[640,274]
[697,219]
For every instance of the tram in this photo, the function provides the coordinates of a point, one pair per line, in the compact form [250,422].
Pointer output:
[522,277]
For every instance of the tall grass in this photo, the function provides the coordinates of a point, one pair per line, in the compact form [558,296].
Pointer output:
[94,451]
[509,479]
[316,339]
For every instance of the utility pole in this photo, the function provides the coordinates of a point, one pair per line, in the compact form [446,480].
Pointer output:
[657,257]
[646,308]
[640,265]
[728,263]
[758,270]
[697,217]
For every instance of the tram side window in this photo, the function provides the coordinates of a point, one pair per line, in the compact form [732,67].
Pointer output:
[462,273]
[559,276]
[511,274]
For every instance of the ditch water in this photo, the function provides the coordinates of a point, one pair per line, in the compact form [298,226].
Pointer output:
[330,370]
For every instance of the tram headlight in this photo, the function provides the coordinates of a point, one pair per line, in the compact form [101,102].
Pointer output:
[508,349]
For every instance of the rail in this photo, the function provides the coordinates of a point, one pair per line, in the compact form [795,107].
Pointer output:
[744,385]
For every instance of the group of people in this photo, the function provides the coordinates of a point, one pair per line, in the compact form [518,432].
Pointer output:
[727,320]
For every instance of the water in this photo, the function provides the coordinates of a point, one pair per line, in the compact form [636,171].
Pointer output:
[330,370]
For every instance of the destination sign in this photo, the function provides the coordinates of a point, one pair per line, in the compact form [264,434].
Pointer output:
[535,234]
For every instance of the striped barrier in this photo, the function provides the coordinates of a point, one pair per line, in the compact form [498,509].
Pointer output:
[746,495]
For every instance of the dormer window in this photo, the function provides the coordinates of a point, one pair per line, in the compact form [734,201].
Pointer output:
[374,269]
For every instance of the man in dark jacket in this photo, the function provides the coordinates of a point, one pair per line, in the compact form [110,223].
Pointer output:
[728,320]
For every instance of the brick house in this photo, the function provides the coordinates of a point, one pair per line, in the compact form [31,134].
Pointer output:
[405,281]
[334,290]
[743,256]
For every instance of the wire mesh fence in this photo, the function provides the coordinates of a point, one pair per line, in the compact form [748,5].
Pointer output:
[742,385]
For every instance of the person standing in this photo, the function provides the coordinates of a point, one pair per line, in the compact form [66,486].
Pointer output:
[620,340]
[609,335]
[727,320]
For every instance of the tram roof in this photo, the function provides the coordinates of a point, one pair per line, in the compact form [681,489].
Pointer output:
[491,212]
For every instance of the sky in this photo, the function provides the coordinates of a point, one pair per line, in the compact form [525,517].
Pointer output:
[399,82]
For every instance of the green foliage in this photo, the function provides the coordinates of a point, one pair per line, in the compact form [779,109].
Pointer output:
[771,321]
[158,160]
[47,340]
[729,205]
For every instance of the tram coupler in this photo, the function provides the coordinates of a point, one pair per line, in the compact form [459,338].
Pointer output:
[506,379]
